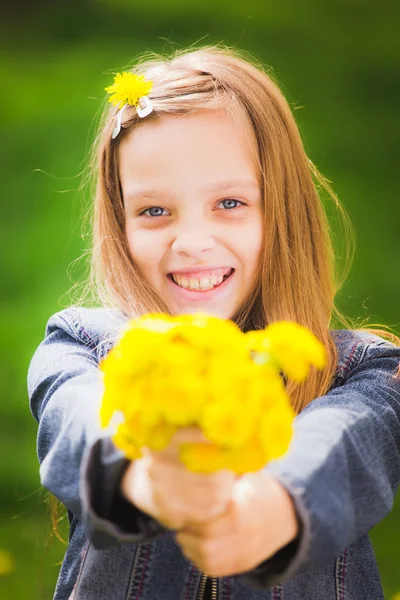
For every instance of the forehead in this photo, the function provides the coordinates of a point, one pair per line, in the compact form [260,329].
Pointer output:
[207,145]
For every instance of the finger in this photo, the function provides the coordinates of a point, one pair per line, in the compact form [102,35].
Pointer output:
[187,435]
[173,524]
[200,550]
[213,557]
[184,435]
[164,469]
[217,557]
[219,526]
[181,495]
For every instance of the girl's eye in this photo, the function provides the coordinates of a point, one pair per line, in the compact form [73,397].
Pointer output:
[231,203]
[153,211]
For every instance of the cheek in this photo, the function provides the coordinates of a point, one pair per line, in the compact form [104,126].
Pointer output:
[144,248]
[251,243]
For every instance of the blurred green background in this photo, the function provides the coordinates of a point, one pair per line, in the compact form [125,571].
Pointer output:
[338,63]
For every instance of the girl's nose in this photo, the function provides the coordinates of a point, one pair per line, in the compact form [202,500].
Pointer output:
[192,244]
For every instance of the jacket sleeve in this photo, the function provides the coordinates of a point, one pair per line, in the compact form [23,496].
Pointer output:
[342,469]
[79,464]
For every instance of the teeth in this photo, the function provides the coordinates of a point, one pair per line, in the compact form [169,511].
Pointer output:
[205,283]
[194,284]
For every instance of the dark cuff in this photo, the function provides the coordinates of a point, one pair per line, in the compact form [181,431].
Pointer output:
[109,518]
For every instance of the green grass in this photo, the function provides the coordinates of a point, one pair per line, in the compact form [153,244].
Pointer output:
[26,535]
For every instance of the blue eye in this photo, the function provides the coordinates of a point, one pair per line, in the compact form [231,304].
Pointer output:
[153,211]
[230,203]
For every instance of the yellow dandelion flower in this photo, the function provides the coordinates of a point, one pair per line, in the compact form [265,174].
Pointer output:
[248,458]
[160,435]
[257,341]
[202,458]
[265,387]
[276,429]
[136,349]
[155,322]
[210,333]
[227,375]
[127,89]
[291,346]
[227,424]
[7,563]
[167,372]
[124,440]
[300,338]
[180,399]
[121,393]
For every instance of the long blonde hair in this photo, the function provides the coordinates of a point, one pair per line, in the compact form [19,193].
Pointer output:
[297,275]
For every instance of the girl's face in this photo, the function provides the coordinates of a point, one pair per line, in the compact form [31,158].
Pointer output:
[193,209]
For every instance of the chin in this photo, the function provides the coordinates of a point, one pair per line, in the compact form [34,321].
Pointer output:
[214,311]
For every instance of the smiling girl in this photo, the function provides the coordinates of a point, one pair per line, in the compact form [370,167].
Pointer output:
[206,201]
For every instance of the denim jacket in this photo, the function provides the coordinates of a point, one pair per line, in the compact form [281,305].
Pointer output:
[342,471]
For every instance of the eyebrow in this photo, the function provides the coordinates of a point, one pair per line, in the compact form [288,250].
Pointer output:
[218,186]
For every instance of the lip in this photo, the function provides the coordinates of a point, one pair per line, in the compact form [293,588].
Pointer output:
[217,293]
[197,269]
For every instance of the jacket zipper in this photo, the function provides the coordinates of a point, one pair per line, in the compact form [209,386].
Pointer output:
[202,587]
[133,572]
[214,588]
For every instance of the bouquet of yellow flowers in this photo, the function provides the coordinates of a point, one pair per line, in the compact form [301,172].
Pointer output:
[168,372]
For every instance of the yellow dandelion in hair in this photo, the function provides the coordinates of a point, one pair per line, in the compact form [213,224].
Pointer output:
[127,89]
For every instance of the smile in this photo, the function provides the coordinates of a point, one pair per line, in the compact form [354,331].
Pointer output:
[200,286]
[201,281]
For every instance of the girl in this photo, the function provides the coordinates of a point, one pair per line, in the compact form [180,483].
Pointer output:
[207,201]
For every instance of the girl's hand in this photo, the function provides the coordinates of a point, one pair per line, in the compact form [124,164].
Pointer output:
[160,485]
[259,521]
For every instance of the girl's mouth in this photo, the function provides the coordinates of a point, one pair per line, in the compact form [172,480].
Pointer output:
[203,286]
[201,282]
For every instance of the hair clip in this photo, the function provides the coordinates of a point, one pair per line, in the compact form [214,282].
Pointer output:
[132,89]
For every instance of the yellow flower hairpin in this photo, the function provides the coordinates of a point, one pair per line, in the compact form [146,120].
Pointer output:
[132,89]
